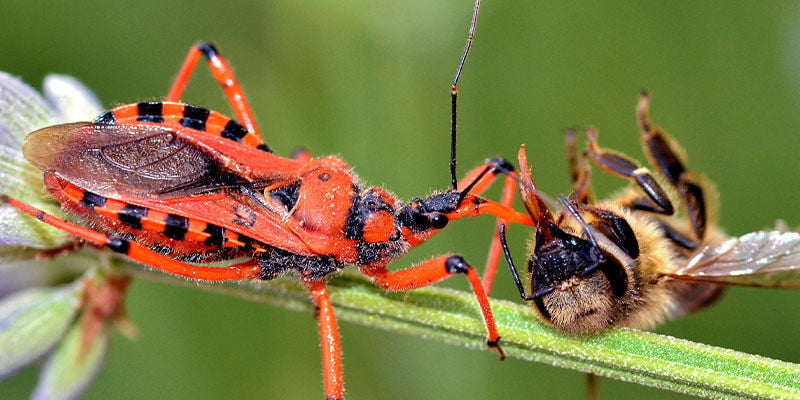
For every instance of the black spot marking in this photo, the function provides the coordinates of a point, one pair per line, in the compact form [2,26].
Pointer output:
[247,242]
[132,215]
[216,236]
[177,226]
[195,117]
[91,200]
[152,111]
[234,131]
[324,176]
[264,147]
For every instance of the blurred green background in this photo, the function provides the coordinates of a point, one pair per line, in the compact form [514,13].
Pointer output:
[369,81]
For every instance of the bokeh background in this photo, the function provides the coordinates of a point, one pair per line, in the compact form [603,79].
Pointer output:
[369,81]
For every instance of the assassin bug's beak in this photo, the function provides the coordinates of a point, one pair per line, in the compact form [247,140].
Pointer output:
[558,254]
[542,218]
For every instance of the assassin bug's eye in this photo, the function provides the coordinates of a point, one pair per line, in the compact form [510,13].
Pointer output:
[438,221]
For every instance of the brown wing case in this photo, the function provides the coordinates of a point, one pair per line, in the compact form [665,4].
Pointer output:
[139,160]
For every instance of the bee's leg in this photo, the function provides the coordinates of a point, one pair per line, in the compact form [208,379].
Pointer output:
[665,154]
[579,170]
[657,199]
[592,387]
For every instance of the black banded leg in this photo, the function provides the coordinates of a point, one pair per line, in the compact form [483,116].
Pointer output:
[657,199]
[667,155]
[246,270]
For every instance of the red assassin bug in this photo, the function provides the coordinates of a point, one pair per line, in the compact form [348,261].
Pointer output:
[175,186]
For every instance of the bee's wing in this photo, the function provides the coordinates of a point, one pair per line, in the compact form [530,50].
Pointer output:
[764,259]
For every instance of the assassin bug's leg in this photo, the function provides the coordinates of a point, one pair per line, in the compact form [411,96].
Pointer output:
[135,251]
[223,73]
[433,271]
[667,155]
[579,169]
[475,183]
[302,155]
[623,166]
[495,249]
[329,335]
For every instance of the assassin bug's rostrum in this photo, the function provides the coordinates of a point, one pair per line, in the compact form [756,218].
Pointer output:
[176,186]
[650,253]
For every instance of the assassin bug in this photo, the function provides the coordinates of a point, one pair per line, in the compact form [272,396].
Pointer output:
[634,260]
[176,186]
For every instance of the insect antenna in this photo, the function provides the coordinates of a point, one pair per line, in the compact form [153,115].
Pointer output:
[454,93]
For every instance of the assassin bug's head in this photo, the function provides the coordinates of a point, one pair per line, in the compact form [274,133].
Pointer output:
[578,270]
[422,218]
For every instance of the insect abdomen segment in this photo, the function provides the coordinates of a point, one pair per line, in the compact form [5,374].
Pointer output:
[171,226]
[181,114]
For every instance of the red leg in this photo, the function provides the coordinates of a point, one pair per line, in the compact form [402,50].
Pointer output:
[329,335]
[433,271]
[476,182]
[223,73]
[302,155]
[135,251]
[495,249]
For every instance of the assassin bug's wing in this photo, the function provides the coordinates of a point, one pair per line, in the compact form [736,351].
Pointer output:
[764,259]
[142,160]
[235,214]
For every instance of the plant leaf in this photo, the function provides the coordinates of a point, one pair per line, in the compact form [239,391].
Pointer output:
[32,321]
[71,367]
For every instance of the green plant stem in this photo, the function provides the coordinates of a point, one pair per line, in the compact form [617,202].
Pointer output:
[453,317]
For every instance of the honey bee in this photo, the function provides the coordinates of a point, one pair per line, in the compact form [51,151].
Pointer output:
[636,259]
